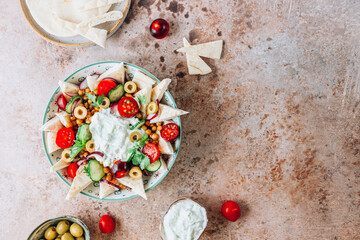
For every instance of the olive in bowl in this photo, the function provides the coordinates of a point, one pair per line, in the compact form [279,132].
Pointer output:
[61,228]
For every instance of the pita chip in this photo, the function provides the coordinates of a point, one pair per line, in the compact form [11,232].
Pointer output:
[62,163]
[146,92]
[116,72]
[80,182]
[50,142]
[137,185]
[165,147]
[53,125]
[159,90]
[106,190]
[142,80]
[166,113]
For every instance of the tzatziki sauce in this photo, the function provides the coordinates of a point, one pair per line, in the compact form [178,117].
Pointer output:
[111,136]
[185,220]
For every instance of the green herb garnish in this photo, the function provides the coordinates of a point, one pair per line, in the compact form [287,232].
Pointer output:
[96,101]
[137,157]
[142,99]
[76,148]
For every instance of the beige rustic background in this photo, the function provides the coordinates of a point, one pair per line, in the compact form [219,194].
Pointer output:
[274,127]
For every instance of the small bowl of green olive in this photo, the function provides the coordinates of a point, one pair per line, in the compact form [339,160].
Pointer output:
[61,228]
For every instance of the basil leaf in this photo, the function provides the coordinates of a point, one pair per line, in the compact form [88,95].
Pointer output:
[76,148]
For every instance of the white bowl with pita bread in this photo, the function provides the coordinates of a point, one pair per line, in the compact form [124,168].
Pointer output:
[95,189]
[75,23]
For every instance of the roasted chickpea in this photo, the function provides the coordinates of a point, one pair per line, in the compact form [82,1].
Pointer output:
[50,233]
[156,142]
[144,127]
[72,118]
[79,121]
[148,132]
[128,95]
[87,90]
[95,92]
[154,136]
[67,236]
[159,124]
[88,121]
[62,227]
[122,186]
[154,128]
[138,115]
[159,128]
[106,170]
[76,230]
[114,181]
[89,101]
[96,108]
[79,92]
[147,123]
[85,98]
[91,107]
[135,172]
[108,177]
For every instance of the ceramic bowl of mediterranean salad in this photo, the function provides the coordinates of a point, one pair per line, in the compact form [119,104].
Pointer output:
[112,131]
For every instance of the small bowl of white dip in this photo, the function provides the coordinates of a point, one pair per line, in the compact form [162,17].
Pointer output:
[184,220]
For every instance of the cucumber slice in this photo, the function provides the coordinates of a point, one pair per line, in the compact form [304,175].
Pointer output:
[116,93]
[138,125]
[154,166]
[68,106]
[84,133]
[96,172]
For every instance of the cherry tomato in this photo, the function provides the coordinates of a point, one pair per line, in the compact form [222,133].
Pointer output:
[231,211]
[106,224]
[169,132]
[152,151]
[120,174]
[65,138]
[72,169]
[128,107]
[105,86]
[61,102]
[159,28]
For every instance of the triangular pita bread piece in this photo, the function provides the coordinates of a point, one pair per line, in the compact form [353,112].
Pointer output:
[80,182]
[186,42]
[142,80]
[92,81]
[84,5]
[106,190]
[159,90]
[147,93]
[64,118]
[67,87]
[50,142]
[95,35]
[59,165]
[116,72]
[166,113]
[208,50]
[53,125]
[163,166]
[107,17]
[165,147]
[196,65]
[137,185]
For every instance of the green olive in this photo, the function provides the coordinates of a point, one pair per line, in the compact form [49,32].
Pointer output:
[62,227]
[57,238]
[76,230]
[80,238]
[50,233]
[67,236]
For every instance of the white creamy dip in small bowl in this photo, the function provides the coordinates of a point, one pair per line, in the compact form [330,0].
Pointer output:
[185,220]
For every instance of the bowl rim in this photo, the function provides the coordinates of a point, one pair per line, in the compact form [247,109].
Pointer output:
[68,217]
[175,153]
[110,32]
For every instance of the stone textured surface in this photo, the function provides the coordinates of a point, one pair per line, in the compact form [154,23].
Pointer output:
[275,127]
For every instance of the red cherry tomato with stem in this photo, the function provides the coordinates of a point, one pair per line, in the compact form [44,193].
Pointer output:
[120,174]
[170,132]
[72,169]
[128,107]
[231,211]
[106,224]
[152,151]
[65,138]
[105,86]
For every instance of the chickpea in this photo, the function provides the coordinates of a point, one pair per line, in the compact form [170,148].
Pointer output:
[106,170]
[93,112]
[92,93]
[96,108]
[154,136]
[156,142]
[89,101]
[80,92]
[147,123]
[159,128]
[91,107]
[122,186]
[138,115]
[87,104]
[88,121]
[152,125]
[108,177]
[95,92]
[148,131]
[159,124]
[114,181]
[154,128]
[144,127]
[85,98]
[72,118]
[128,95]
[86,154]
[79,121]
[69,125]
[87,90]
